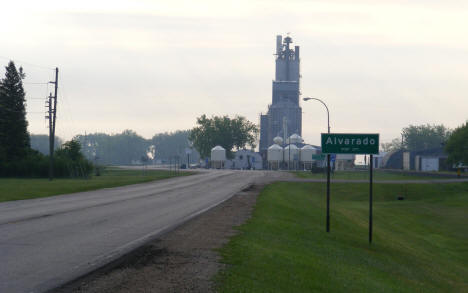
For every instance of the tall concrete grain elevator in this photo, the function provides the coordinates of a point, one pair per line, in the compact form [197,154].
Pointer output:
[284,115]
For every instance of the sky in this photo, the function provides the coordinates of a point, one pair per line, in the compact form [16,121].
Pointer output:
[155,66]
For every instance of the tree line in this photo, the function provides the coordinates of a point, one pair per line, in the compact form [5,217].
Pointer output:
[127,147]
[427,137]
[130,148]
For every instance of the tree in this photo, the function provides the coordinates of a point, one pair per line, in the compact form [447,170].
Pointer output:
[71,149]
[457,145]
[224,131]
[70,162]
[423,137]
[14,136]
[394,145]
[40,142]
[170,144]
[117,149]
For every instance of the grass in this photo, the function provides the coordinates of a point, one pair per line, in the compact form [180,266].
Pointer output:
[360,175]
[420,244]
[27,188]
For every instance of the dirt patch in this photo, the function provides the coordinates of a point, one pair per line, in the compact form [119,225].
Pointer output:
[182,260]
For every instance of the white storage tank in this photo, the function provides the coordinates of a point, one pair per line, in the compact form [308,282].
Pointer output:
[295,138]
[306,153]
[344,162]
[291,155]
[218,157]
[275,153]
[275,156]
[278,140]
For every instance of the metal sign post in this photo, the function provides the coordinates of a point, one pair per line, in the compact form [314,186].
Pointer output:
[328,192]
[370,197]
[350,143]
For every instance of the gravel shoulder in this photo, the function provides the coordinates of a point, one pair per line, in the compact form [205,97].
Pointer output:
[182,260]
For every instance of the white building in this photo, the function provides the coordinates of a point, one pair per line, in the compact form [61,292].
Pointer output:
[245,160]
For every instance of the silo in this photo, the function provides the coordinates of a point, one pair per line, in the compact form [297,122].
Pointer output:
[274,156]
[291,156]
[306,156]
[279,45]
[295,138]
[278,140]
[218,157]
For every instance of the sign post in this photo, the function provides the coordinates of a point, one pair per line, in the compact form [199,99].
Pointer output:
[328,192]
[370,197]
[350,143]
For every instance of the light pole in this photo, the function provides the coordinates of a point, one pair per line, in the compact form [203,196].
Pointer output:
[328,162]
[323,103]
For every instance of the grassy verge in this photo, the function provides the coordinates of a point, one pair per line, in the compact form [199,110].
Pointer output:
[20,188]
[420,244]
[378,175]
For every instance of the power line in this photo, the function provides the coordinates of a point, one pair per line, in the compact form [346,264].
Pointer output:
[27,63]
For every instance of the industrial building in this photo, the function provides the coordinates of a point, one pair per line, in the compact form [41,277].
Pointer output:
[284,115]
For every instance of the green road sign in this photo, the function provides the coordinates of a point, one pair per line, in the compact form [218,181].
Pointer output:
[350,143]
[319,157]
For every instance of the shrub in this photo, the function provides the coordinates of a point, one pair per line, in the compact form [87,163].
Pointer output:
[68,162]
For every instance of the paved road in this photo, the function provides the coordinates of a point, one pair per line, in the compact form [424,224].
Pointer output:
[47,242]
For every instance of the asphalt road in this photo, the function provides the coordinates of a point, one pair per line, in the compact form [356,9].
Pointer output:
[47,242]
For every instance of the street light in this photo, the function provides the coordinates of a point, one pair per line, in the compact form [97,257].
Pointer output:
[328,162]
[328,113]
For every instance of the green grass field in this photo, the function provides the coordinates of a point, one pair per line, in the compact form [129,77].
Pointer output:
[27,188]
[360,175]
[420,244]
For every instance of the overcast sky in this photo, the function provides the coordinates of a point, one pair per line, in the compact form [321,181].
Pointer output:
[154,66]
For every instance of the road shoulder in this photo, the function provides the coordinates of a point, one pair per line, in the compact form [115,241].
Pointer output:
[182,260]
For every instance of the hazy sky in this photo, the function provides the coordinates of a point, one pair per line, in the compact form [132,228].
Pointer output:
[154,66]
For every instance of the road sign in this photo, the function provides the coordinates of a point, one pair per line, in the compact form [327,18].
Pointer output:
[319,157]
[350,143]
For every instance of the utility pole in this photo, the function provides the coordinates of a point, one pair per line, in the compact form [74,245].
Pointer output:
[51,138]
[52,120]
